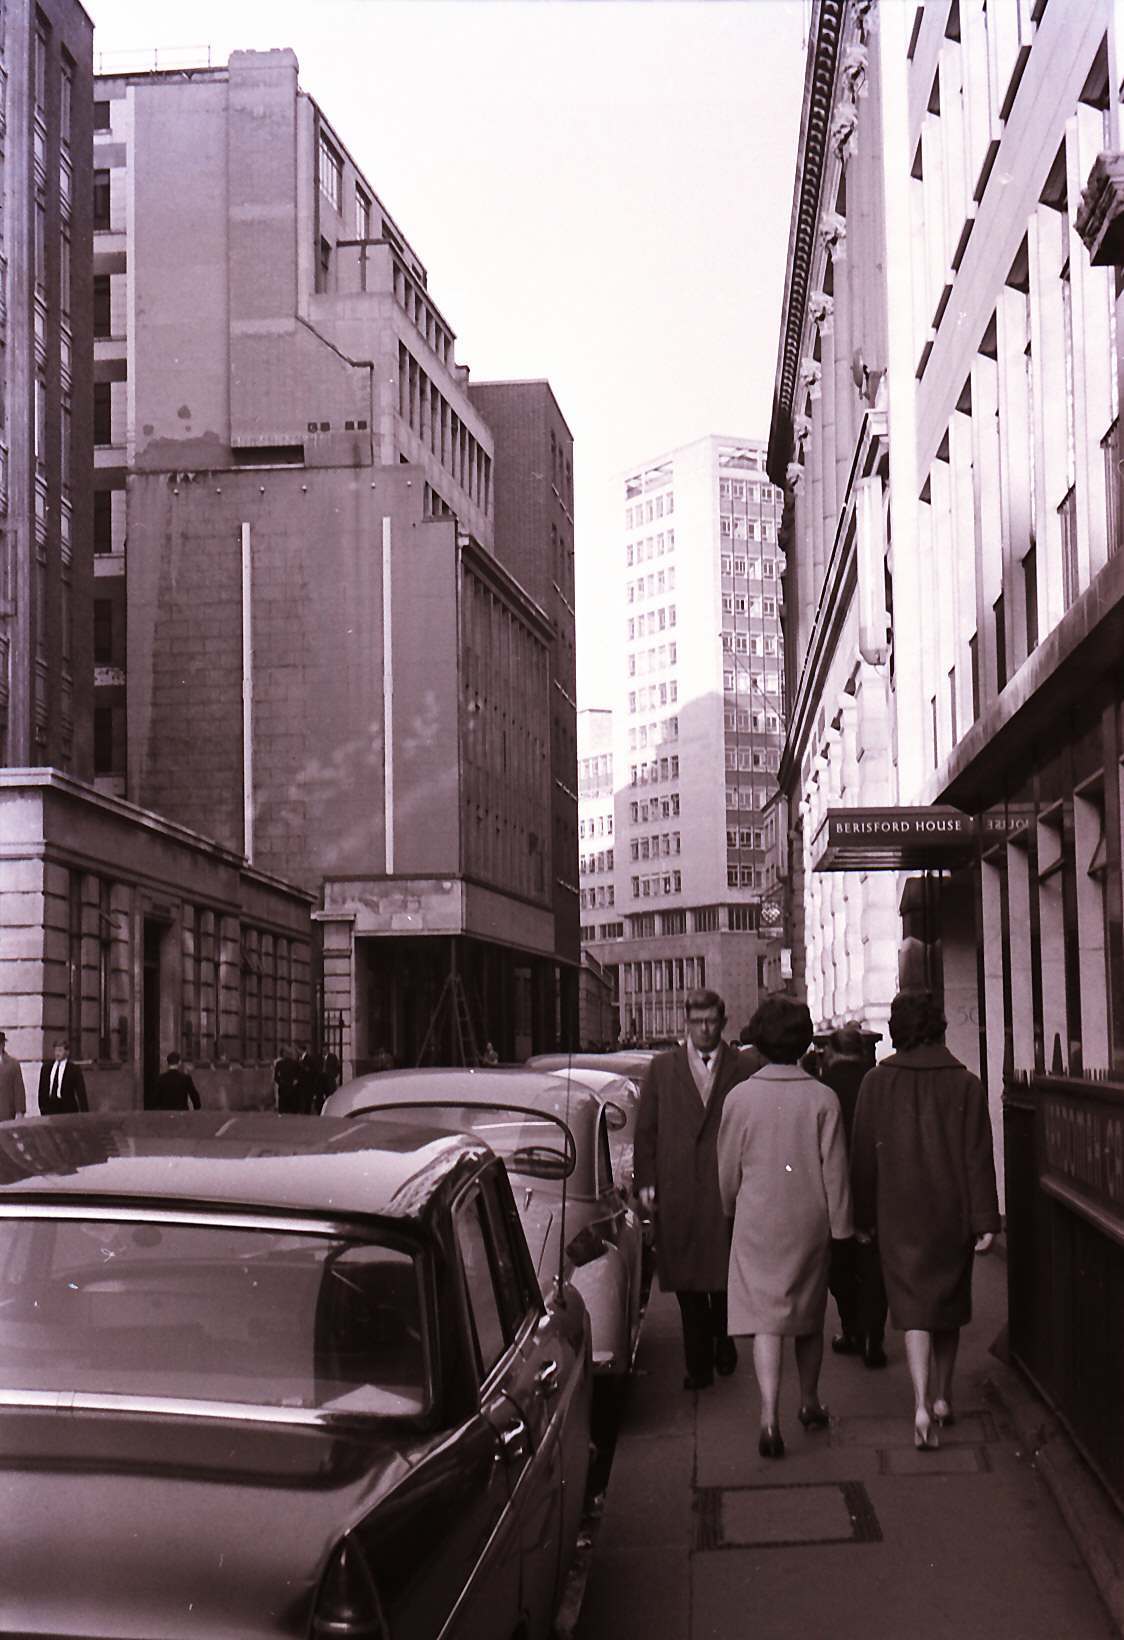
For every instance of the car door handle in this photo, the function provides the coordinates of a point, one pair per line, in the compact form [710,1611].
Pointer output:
[547,1377]
[512,1437]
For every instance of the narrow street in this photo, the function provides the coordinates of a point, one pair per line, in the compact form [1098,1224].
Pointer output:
[853,1532]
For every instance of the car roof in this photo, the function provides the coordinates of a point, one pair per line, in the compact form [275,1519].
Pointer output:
[245,1160]
[621,1061]
[467,1085]
[603,1082]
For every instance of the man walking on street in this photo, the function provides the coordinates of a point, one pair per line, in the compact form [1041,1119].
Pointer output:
[62,1087]
[13,1098]
[175,1089]
[681,1100]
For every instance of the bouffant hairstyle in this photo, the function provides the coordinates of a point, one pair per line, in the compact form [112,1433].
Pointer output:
[916,1020]
[781,1029]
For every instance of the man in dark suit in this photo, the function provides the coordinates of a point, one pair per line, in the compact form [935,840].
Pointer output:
[174,1089]
[676,1172]
[856,1272]
[62,1087]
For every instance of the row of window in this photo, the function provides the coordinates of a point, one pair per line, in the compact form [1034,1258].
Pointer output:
[656,844]
[753,757]
[651,887]
[645,512]
[747,529]
[417,309]
[645,809]
[596,825]
[751,643]
[745,876]
[599,898]
[602,860]
[601,931]
[428,413]
[744,837]
[753,569]
[649,585]
[662,974]
[741,718]
[658,768]
[737,489]
[742,680]
[748,795]
[653,547]
[656,620]
[652,695]
[653,734]
[653,660]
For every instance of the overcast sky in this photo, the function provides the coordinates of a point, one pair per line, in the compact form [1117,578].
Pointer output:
[600,191]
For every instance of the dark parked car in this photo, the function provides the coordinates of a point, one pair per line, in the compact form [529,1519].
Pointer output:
[279,1376]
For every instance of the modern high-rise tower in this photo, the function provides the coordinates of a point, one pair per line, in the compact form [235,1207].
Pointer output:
[698,729]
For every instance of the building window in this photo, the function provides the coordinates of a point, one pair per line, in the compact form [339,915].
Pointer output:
[974,657]
[103,521]
[101,200]
[102,321]
[1030,594]
[999,612]
[103,412]
[362,215]
[103,632]
[101,116]
[331,173]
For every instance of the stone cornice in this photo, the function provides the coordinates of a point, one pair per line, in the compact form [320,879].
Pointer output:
[815,130]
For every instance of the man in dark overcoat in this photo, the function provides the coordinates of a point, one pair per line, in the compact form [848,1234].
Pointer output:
[175,1089]
[676,1171]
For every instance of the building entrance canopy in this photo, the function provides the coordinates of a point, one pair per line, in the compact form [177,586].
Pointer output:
[895,839]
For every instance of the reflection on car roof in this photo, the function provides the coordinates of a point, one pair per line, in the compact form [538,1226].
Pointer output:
[254,1160]
[457,1085]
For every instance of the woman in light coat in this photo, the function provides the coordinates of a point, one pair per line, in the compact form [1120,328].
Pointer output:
[782,1172]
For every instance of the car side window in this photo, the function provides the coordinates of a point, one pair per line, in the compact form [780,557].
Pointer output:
[489,1324]
[515,1282]
[604,1157]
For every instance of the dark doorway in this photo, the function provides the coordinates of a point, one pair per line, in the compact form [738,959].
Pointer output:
[150,1016]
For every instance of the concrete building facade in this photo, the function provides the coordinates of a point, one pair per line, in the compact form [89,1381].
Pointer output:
[698,730]
[946,426]
[328,666]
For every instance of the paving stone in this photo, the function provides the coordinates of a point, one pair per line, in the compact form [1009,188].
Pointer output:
[947,1460]
[785,1514]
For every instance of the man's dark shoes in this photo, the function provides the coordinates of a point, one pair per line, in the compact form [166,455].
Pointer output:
[844,1344]
[874,1355]
[725,1357]
[694,1380]
[771,1444]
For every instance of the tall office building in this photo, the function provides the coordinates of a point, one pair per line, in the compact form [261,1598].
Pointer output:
[698,729]
[327,664]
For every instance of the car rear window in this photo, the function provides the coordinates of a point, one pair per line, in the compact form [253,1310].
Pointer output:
[211,1312]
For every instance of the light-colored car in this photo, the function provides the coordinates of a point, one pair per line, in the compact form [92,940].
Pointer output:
[621,1093]
[274,1376]
[581,1226]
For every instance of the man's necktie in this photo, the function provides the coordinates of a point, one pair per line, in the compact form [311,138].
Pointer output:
[56,1078]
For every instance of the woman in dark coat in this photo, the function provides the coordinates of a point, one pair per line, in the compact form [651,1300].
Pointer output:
[923,1181]
[782,1171]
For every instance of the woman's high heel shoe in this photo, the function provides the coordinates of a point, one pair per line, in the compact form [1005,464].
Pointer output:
[770,1444]
[943,1413]
[925,1437]
[814,1416]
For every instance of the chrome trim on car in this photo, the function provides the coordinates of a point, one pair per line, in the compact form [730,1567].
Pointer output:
[98,1210]
[170,1406]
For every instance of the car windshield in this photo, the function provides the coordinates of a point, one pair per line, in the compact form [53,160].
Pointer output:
[211,1312]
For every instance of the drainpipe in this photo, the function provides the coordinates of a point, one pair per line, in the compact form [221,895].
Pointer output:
[247,701]
[387,702]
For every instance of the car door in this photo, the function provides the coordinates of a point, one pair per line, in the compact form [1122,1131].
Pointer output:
[553,1389]
[618,1223]
[490,1602]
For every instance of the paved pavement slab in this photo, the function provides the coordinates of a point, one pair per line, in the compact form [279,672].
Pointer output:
[853,1534]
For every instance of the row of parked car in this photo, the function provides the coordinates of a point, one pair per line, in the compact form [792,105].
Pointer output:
[314,1376]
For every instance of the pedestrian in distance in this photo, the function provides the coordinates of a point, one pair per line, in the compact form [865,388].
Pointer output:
[782,1173]
[62,1087]
[676,1173]
[310,1083]
[331,1074]
[923,1177]
[13,1095]
[855,1278]
[175,1089]
[286,1080]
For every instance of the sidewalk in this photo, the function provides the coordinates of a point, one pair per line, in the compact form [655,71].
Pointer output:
[853,1535]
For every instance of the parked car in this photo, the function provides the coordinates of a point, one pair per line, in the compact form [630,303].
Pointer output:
[600,1246]
[620,1093]
[279,1376]
[621,1061]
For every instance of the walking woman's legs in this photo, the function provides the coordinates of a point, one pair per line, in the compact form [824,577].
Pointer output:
[917,1351]
[945,1345]
[767,1366]
[809,1359]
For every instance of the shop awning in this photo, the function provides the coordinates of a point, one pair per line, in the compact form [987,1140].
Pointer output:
[895,839]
